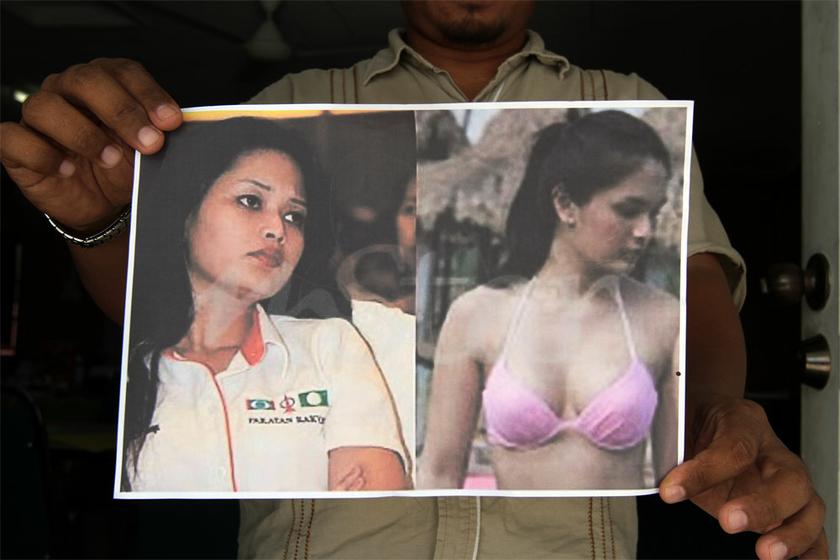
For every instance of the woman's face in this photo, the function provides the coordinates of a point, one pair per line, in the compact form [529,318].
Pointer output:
[612,230]
[247,236]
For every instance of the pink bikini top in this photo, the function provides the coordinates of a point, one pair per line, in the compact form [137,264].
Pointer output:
[618,417]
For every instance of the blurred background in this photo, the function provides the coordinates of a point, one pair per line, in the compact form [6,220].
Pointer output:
[740,62]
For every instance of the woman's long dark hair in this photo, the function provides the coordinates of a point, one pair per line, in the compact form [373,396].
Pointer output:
[173,185]
[580,158]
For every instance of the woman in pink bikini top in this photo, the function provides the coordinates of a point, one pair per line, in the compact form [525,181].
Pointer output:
[569,360]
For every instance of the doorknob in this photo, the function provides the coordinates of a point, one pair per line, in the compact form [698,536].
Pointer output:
[814,362]
[786,283]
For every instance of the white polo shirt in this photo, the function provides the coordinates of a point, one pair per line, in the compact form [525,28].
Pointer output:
[296,389]
[391,334]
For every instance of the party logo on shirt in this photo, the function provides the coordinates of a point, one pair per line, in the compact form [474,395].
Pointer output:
[259,404]
[314,398]
[288,404]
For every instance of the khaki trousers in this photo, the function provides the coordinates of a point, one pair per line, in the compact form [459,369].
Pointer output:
[453,528]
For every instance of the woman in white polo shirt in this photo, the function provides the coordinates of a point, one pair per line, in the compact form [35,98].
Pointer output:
[220,395]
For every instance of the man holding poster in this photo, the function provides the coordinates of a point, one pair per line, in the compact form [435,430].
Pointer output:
[78,170]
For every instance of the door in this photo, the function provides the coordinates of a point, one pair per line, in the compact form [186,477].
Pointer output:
[821,235]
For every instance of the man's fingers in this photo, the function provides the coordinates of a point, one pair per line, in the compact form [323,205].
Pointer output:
[819,550]
[784,493]
[55,118]
[159,105]
[748,480]
[726,457]
[90,86]
[736,430]
[83,125]
[800,533]
[28,156]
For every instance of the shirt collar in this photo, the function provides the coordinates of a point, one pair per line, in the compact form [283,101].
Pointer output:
[387,59]
[255,346]
[262,333]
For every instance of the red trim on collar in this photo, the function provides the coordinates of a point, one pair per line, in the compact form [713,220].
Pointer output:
[253,348]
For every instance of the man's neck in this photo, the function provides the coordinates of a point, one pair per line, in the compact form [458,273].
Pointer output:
[470,68]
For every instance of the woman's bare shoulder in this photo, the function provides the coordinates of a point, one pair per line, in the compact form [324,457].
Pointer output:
[650,302]
[657,313]
[485,301]
[646,294]
[474,319]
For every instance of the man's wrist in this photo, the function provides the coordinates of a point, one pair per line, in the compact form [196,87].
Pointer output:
[97,236]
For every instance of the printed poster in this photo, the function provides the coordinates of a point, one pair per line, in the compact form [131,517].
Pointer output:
[421,300]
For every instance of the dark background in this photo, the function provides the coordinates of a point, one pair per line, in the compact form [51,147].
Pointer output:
[740,62]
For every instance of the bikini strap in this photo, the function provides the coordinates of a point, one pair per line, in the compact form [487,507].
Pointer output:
[517,315]
[628,334]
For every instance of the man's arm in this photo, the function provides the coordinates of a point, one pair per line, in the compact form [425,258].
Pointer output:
[737,469]
[716,357]
[102,270]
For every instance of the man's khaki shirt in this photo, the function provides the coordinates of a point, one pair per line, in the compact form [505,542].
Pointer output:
[447,527]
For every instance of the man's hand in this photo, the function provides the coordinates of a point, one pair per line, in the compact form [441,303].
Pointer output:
[72,153]
[744,476]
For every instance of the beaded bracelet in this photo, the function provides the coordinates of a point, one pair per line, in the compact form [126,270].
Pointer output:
[110,231]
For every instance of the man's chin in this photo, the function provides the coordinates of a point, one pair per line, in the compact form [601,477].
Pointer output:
[470,32]
[469,23]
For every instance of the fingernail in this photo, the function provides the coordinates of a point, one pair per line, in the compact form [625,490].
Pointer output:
[166,112]
[778,551]
[66,168]
[110,156]
[737,520]
[673,494]
[148,136]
